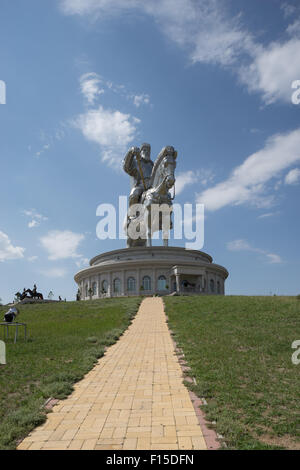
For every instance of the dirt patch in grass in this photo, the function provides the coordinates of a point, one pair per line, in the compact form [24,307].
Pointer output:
[285,442]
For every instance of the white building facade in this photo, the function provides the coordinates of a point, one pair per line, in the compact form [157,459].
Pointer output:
[149,271]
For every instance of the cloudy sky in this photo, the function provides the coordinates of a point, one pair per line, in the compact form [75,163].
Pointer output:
[87,79]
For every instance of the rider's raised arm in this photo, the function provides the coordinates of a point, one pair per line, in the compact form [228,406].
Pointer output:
[128,162]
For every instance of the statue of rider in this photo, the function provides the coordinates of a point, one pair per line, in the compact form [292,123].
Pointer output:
[138,164]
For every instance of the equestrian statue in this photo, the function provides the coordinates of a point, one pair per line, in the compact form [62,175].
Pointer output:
[150,200]
[33,294]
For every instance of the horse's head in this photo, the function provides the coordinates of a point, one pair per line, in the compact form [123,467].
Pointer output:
[168,167]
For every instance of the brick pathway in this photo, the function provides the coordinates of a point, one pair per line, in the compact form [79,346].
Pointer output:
[133,398]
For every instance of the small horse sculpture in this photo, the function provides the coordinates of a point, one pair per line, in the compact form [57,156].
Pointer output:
[22,296]
[35,295]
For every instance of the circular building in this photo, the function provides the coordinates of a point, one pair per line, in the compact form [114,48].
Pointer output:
[151,270]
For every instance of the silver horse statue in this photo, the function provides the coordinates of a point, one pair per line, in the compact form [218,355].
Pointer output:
[154,211]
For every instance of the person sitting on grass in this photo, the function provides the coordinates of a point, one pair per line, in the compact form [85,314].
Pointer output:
[11,315]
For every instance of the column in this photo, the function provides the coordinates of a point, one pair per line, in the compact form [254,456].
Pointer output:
[169,282]
[123,283]
[138,282]
[99,286]
[200,284]
[110,286]
[177,283]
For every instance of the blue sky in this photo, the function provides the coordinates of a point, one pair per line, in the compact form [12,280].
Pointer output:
[87,79]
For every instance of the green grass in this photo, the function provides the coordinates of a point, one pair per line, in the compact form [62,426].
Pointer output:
[65,341]
[239,350]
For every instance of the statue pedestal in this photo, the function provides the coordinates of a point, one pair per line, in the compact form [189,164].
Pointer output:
[156,270]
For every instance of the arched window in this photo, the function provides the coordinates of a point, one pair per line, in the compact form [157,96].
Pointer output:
[94,288]
[131,284]
[212,285]
[147,283]
[86,290]
[218,287]
[104,287]
[117,286]
[162,282]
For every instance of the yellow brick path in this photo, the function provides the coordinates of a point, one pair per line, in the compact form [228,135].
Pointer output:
[133,398]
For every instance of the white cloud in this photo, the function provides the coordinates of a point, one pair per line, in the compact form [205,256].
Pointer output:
[273,70]
[248,182]
[139,100]
[112,130]
[31,259]
[82,262]
[184,179]
[33,223]
[93,85]
[204,28]
[54,272]
[90,87]
[93,7]
[238,245]
[7,250]
[243,245]
[273,259]
[288,9]
[44,149]
[293,176]
[293,29]
[201,177]
[36,218]
[205,176]
[62,244]
[267,215]
[210,34]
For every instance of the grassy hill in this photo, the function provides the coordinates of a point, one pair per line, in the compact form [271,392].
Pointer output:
[238,348]
[65,340]
[239,351]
